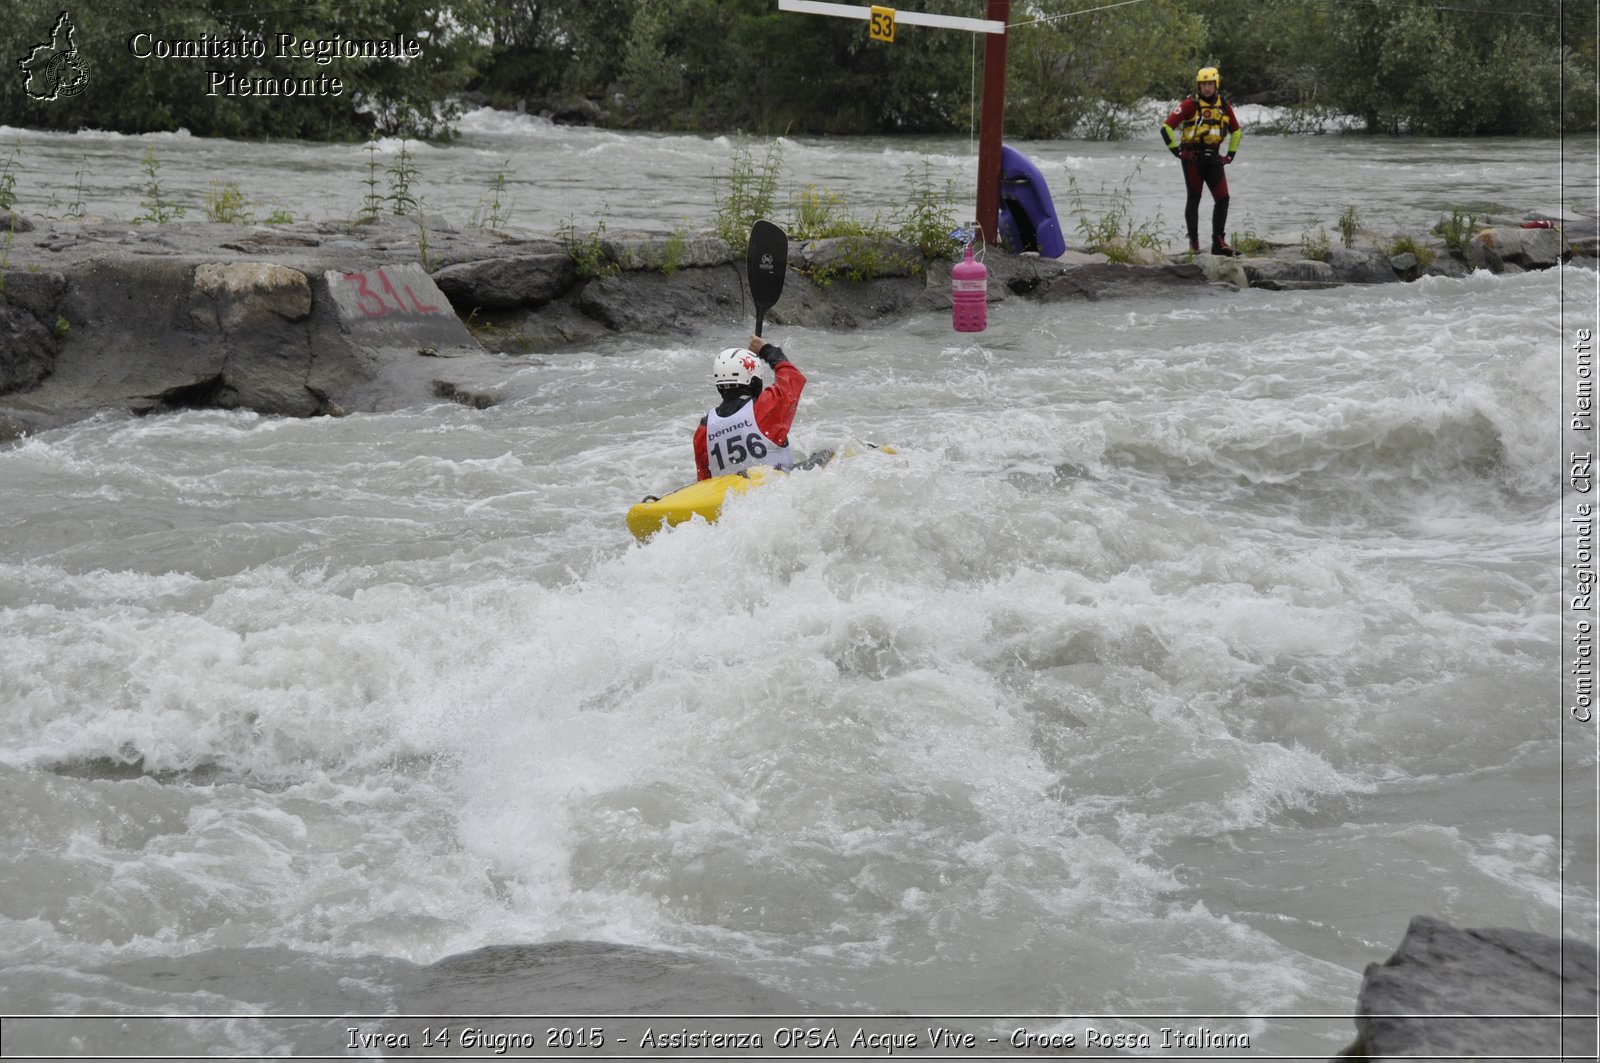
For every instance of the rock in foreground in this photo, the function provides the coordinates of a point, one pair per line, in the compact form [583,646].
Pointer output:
[1489,994]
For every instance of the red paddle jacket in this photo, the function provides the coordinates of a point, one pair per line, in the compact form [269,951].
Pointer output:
[774,411]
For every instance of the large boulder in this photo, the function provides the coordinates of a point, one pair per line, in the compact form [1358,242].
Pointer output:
[506,283]
[1478,994]
[1528,248]
[27,350]
[1289,274]
[1369,266]
[250,295]
[31,324]
[133,340]
[260,310]
[38,291]
[651,303]
[1448,265]
[1583,239]
[1406,265]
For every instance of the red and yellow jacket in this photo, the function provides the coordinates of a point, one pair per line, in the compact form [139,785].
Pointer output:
[1202,124]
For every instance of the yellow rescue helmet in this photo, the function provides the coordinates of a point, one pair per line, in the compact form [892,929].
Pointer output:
[1208,73]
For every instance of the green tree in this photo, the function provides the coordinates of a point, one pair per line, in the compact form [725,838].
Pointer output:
[1270,50]
[825,75]
[1079,75]
[542,48]
[1449,71]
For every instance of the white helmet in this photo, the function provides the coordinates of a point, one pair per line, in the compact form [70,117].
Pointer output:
[733,367]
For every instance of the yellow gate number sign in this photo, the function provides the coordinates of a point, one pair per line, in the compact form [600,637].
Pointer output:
[880,26]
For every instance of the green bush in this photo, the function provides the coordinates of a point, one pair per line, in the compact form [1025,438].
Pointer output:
[750,194]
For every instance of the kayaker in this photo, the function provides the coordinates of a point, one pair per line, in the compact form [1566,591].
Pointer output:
[1195,132]
[750,425]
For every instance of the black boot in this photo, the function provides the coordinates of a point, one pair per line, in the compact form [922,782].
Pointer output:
[1219,246]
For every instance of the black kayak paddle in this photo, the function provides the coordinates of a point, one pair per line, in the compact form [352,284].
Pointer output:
[766,263]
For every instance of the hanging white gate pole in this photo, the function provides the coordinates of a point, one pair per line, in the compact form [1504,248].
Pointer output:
[902,18]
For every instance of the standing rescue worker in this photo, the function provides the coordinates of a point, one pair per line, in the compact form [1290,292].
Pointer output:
[1194,133]
[750,425]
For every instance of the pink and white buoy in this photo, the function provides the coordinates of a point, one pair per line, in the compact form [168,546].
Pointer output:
[969,294]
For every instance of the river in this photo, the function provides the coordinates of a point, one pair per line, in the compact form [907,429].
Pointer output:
[1182,652]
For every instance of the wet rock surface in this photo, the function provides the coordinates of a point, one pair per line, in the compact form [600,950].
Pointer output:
[1451,993]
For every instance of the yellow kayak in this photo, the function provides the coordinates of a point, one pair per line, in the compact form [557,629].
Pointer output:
[704,498]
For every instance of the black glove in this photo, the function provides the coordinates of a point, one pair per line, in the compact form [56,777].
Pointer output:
[772,354]
[1176,154]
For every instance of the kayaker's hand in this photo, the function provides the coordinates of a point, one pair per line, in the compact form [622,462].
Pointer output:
[756,343]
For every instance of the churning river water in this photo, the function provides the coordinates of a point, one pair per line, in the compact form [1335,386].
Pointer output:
[1185,649]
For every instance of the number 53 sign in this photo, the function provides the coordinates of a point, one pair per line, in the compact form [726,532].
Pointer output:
[881,20]
[880,25]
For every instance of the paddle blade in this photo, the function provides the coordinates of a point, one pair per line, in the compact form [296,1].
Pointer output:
[766,264]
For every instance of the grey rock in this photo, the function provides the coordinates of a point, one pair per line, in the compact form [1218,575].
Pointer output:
[1008,273]
[1448,265]
[11,221]
[27,349]
[259,309]
[1370,266]
[1289,274]
[1481,255]
[1573,228]
[1489,989]
[1106,280]
[1528,248]
[506,283]
[1406,266]
[577,112]
[525,331]
[665,251]
[250,294]
[651,303]
[844,255]
[38,291]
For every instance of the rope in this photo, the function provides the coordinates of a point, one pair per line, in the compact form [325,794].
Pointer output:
[972,99]
[1452,8]
[1069,14]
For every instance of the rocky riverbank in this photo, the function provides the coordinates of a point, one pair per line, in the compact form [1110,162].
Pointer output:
[313,319]
[1450,993]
